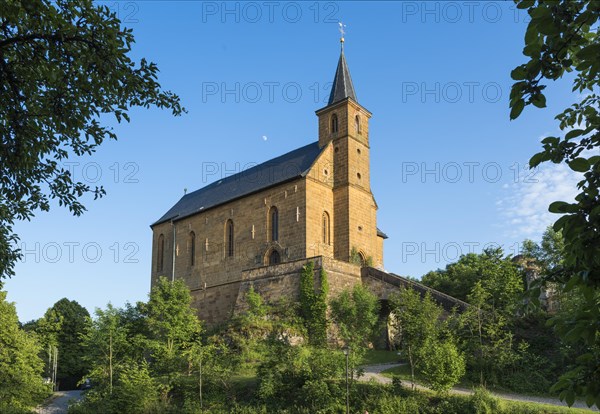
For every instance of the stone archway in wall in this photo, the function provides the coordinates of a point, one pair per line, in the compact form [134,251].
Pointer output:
[272,257]
[363,258]
[384,339]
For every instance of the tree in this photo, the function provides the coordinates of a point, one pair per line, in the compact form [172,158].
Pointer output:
[21,368]
[136,391]
[134,323]
[257,308]
[47,328]
[174,328]
[442,364]
[549,254]
[562,37]
[497,274]
[486,338]
[416,322]
[356,314]
[72,321]
[299,375]
[63,64]
[105,344]
[313,304]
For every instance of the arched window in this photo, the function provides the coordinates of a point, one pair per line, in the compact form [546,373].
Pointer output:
[357,124]
[229,237]
[274,258]
[192,247]
[363,259]
[274,223]
[160,255]
[326,229]
[334,123]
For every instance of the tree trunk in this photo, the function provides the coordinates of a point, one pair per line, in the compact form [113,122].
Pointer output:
[200,382]
[479,325]
[412,366]
[110,366]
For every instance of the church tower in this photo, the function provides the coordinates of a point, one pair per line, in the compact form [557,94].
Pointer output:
[344,124]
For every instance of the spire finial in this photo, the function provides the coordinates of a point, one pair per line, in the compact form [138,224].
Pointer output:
[342,83]
[342,26]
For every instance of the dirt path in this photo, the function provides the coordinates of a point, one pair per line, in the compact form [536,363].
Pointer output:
[59,403]
[374,372]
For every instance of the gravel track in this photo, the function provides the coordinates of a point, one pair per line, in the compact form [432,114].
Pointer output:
[374,372]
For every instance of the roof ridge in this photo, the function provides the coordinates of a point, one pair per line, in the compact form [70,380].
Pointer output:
[249,171]
[282,168]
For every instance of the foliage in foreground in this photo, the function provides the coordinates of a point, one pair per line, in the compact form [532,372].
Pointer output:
[154,358]
[371,397]
[64,64]
[562,37]
[355,314]
[425,340]
[60,329]
[21,368]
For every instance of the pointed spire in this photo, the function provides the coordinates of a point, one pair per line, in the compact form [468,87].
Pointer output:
[342,87]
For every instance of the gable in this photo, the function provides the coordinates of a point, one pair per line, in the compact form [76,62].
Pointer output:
[278,170]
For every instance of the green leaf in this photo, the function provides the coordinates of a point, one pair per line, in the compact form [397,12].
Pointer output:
[537,159]
[570,398]
[517,109]
[531,35]
[519,73]
[579,165]
[590,399]
[539,100]
[547,26]
[574,133]
[589,52]
[558,207]
[550,140]
[532,50]
[573,281]
[540,11]
[558,225]
[525,4]
[574,334]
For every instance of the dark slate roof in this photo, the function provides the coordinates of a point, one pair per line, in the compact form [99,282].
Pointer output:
[286,167]
[342,83]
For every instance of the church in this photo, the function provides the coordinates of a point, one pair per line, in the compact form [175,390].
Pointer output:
[261,226]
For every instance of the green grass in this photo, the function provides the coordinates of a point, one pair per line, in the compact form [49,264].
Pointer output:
[374,356]
[403,372]
[516,406]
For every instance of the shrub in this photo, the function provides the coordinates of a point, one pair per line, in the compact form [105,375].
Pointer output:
[485,403]
[442,365]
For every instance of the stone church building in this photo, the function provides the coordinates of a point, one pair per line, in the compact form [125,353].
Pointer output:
[261,226]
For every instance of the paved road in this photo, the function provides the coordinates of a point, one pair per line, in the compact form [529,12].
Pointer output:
[374,372]
[59,403]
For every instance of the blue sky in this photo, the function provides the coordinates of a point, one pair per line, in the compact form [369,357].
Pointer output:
[448,168]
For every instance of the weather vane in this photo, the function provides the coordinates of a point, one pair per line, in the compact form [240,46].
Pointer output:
[342,26]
